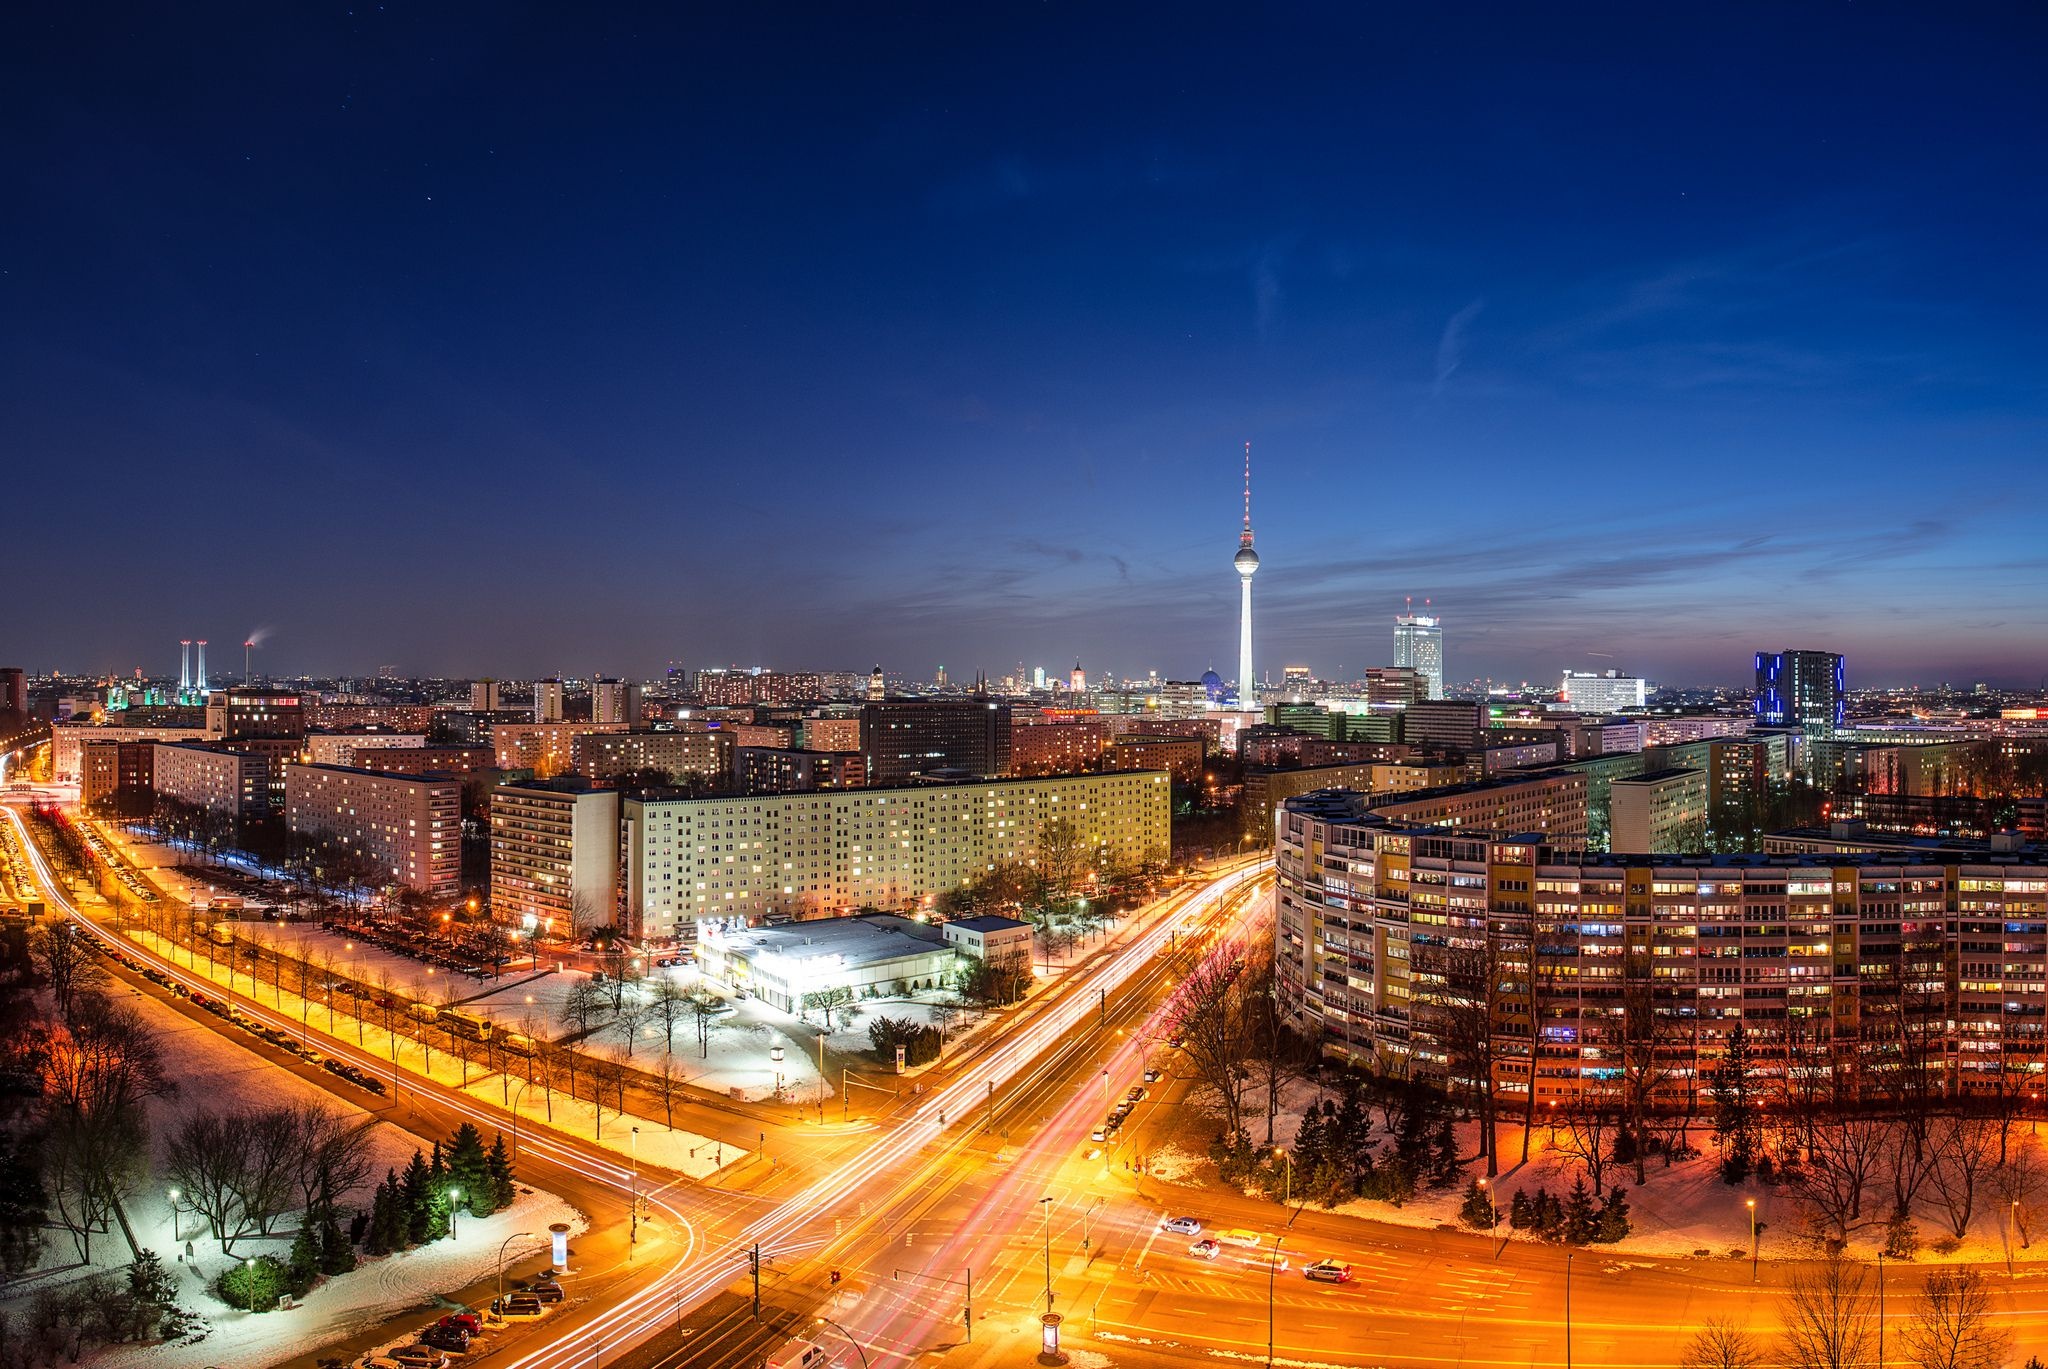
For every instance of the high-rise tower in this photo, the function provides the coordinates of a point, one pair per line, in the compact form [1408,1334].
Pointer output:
[1247,563]
[1419,646]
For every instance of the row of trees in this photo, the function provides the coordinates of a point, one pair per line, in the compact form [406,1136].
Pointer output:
[1829,1320]
[247,1171]
[60,1325]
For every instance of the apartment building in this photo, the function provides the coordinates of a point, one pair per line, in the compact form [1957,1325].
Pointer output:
[678,754]
[554,854]
[409,828]
[896,849]
[1840,968]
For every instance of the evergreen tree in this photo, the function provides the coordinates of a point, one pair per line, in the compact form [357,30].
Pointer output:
[1521,1212]
[1477,1211]
[377,1233]
[417,1195]
[1613,1224]
[469,1171]
[1549,1215]
[303,1266]
[1580,1221]
[1443,1156]
[337,1256]
[499,1163]
[1735,1119]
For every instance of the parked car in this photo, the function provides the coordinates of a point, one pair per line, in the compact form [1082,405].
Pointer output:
[518,1305]
[452,1339]
[1101,1132]
[1186,1226]
[420,1357]
[1138,1092]
[1205,1249]
[547,1291]
[1328,1271]
[468,1321]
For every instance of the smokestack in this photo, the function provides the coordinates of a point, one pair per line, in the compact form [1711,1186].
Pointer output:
[247,647]
[184,664]
[200,683]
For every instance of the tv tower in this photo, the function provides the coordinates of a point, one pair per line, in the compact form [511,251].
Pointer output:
[1247,563]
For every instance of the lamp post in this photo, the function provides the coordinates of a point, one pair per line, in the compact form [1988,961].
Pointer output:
[1272,1272]
[1880,1309]
[175,1195]
[634,1142]
[1045,1228]
[454,1198]
[2011,1212]
[1568,1309]
[516,1094]
[827,1321]
[1492,1216]
[1287,1182]
[1750,1203]
[501,1266]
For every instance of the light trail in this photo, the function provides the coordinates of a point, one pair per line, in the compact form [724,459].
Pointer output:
[692,1278]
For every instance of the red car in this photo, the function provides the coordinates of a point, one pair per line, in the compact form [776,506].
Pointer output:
[468,1321]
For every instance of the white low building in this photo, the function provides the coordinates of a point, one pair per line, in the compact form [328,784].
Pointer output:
[779,965]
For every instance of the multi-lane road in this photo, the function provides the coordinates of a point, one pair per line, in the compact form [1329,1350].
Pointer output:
[985,1191]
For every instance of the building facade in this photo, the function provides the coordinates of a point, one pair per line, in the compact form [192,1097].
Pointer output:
[894,848]
[554,855]
[234,783]
[1659,810]
[680,755]
[1603,692]
[409,829]
[907,739]
[1419,646]
[1802,689]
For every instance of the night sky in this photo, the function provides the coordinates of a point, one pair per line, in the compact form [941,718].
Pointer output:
[511,340]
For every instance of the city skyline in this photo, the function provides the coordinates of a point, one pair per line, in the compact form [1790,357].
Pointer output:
[1662,389]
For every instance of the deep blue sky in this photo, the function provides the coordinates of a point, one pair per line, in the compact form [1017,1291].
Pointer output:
[503,341]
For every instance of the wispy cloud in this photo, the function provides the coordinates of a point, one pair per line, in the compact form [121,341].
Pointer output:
[1450,348]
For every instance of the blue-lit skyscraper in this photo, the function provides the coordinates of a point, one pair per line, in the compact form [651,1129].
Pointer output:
[1801,689]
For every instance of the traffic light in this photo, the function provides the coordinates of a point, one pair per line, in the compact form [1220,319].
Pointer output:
[835,1276]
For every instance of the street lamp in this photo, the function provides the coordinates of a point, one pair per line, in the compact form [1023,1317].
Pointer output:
[454,1197]
[175,1195]
[1272,1272]
[2011,1212]
[524,1084]
[501,1266]
[1492,1216]
[1751,1204]
[827,1321]
[634,1140]
[1045,1228]
[1568,1257]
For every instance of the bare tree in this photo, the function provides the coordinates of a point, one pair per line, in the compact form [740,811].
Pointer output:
[1723,1344]
[583,1005]
[2016,1180]
[99,1075]
[207,1155]
[632,1015]
[66,962]
[667,1005]
[1844,1156]
[607,1085]
[1965,1156]
[1829,1317]
[1217,1027]
[334,1154]
[1644,1062]
[1952,1327]
[668,1081]
[826,1002]
[1586,1129]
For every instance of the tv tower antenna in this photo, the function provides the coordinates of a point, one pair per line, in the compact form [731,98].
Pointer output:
[1245,539]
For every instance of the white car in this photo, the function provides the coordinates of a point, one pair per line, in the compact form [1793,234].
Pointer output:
[1185,1226]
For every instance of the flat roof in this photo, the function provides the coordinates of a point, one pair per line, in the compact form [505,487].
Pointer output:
[987,922]
[1669,772]
[862,939]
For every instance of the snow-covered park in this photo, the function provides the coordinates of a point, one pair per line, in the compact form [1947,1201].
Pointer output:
[214,1072]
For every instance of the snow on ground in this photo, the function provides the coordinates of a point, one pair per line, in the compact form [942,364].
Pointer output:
[214,1071]
[682,1150]
[1680,1209]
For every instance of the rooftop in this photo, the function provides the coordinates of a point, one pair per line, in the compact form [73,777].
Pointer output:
[988,922]
[864,939]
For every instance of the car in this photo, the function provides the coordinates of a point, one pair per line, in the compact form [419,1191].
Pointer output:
[1154,1076]
[1237,1235]
[316,1058]
[1138,1094]
[468,1321]
[1101,1132]
[1327,1271]
[452,1339]
[519,1305]
[1176,1042]
[1092,1153]
[420,1357]
[378,1362]
[1186,1226]
[1205,1249]
[547,1291]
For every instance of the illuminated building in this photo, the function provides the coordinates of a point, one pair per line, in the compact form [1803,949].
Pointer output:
[780,770]
[1659,810]
[554,855]
[895,848]
[728,688]
[1064,748]
[13,690]
[905,739]
[544,748]
[615,701]
[1419,646]
[1437,721]
[68,740]
[1609,692]
[1375,919]
[236,783]
[484,696]
[340,748]
[780,965]
[705,755]
[1802,689]
[244,713]
[409,829]
[831,734]
[547,701]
